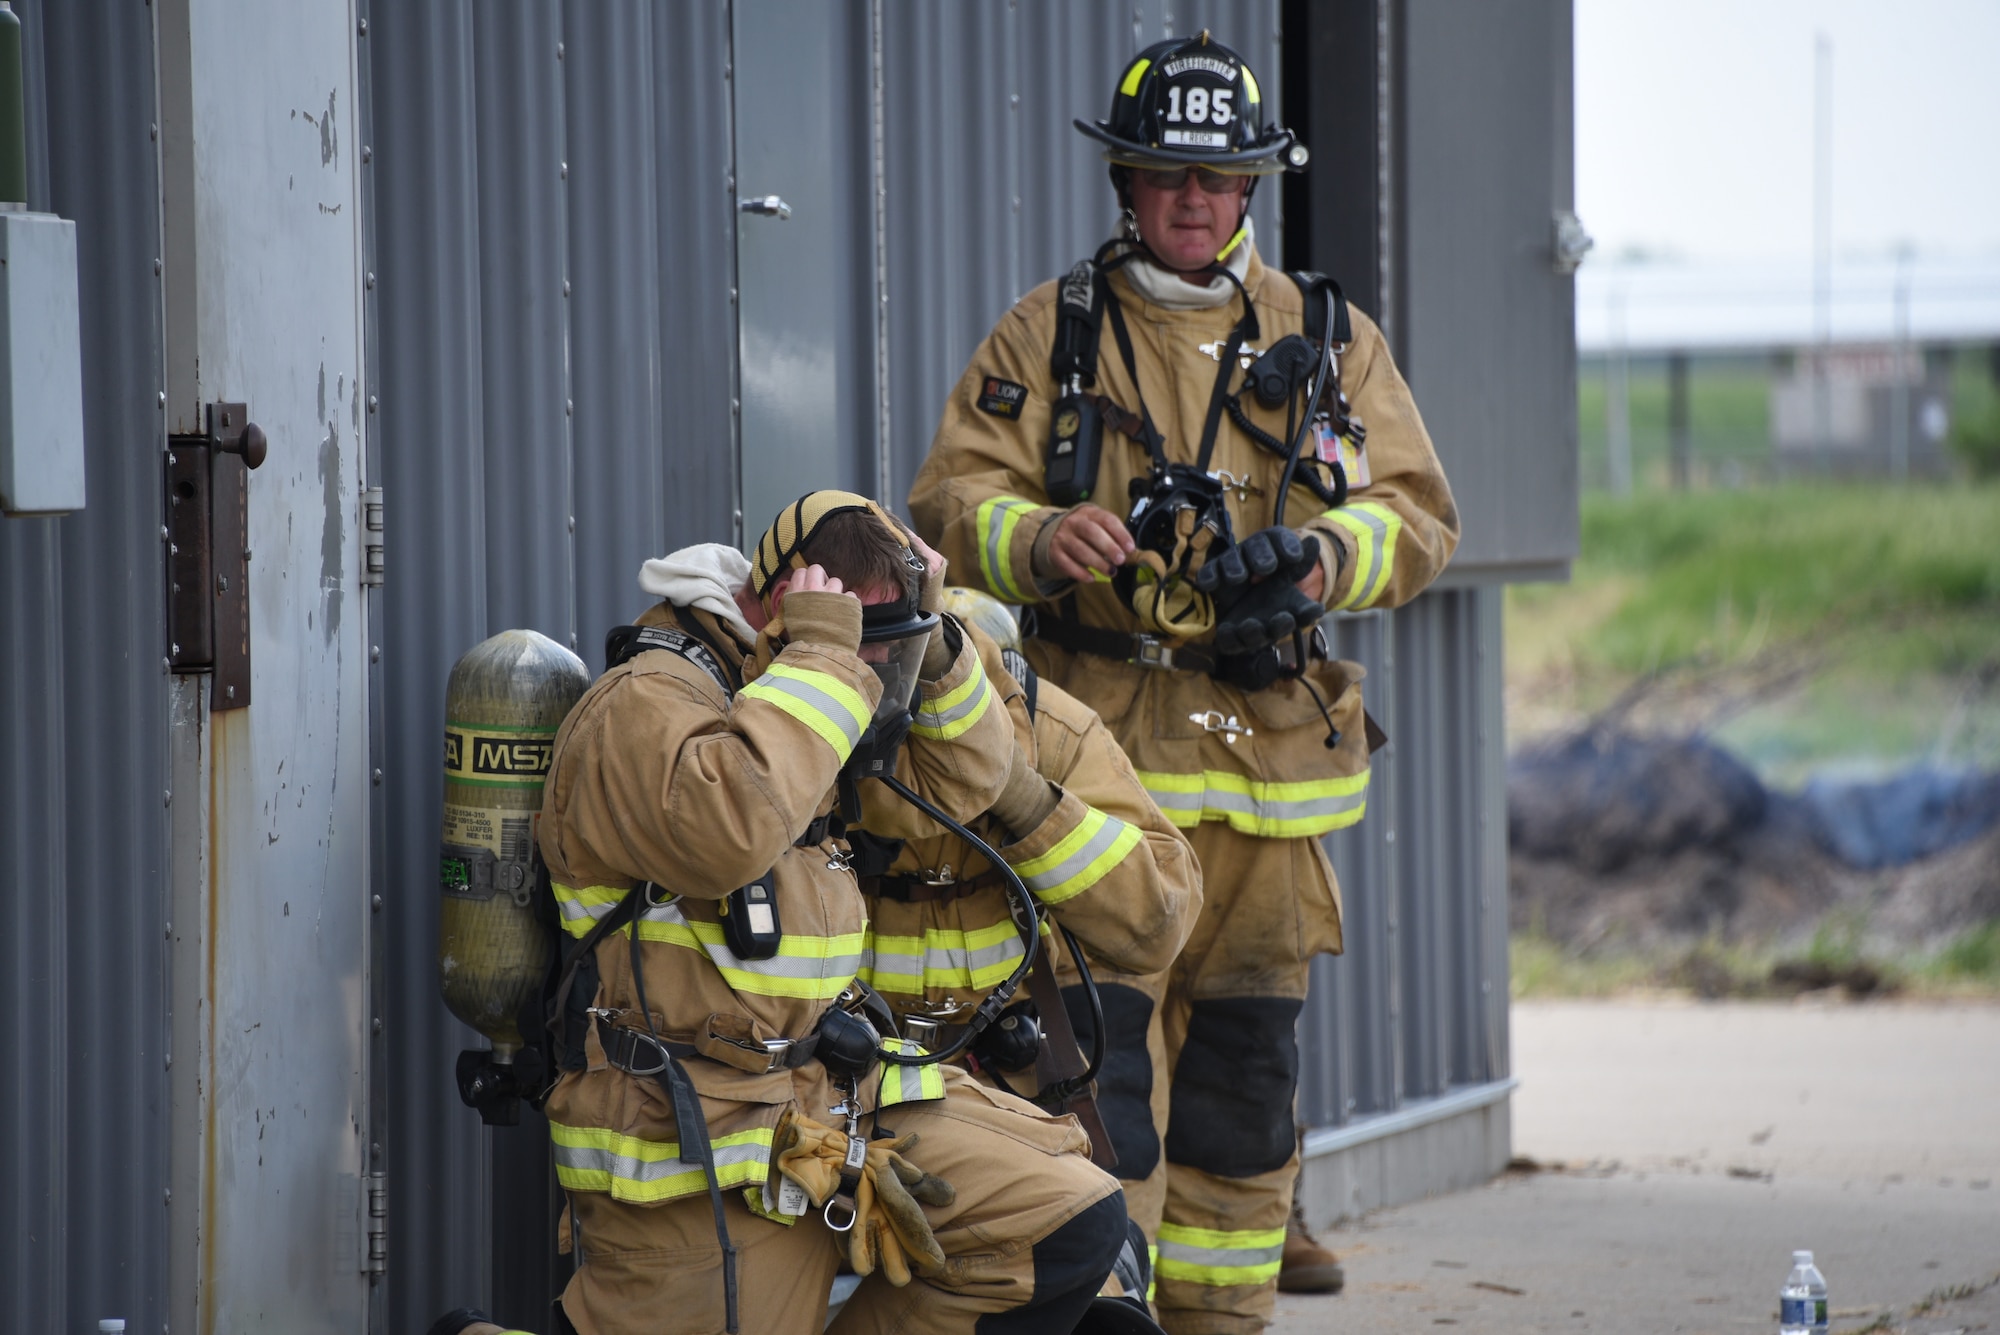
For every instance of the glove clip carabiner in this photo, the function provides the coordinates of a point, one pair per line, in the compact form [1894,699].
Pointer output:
[850,1180]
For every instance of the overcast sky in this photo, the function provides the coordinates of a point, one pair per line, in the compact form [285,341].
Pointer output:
[1694,126]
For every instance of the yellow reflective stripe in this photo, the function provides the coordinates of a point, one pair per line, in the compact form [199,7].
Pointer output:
[950,714]
[1217,1257]
[942,957]
[909,1084]
[1250,83]
[590,1158]
[1252,806]
[1130,85]
[581,906]
[1080,859]
[993,527]
[1375,528]
[1152,1271]
[824,703]
[816,968]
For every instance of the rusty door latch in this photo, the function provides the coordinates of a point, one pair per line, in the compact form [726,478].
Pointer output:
[208,551]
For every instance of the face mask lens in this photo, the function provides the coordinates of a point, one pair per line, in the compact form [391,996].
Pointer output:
[895,650]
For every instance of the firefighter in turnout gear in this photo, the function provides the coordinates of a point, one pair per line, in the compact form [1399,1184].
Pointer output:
[722,1125]
[1177,508]
[1076,824]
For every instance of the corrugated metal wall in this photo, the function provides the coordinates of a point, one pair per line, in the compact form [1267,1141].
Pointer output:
[83,728]
[553,257]
[1417,1005]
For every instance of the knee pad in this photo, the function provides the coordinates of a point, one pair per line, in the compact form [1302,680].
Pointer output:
[1233,1086]
[1070,1266]
[1125,1080]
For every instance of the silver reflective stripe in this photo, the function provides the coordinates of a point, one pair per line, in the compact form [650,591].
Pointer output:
[1364,580]
[997,531]
[930,718]
[600,1159]
[1172,802]
[778,966]
[942,959]
[1220,1257]
[838,714]
[1273,809]
[1094,848]
[575,910]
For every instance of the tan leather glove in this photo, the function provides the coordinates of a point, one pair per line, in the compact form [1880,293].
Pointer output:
[1027,799]
[890,1231]
[817,617]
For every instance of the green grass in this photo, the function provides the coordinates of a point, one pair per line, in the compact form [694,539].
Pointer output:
[1972,956]
[1726,572]
[1540,967]
[1884,602]
[1968,966]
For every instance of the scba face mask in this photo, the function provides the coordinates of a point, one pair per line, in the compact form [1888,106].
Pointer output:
[894,637]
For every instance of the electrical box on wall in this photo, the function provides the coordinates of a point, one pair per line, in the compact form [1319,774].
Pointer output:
[41,366]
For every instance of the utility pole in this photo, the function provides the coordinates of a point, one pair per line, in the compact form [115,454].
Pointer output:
[1680,444]
[1899,382]
[1618,403]
[1822,246]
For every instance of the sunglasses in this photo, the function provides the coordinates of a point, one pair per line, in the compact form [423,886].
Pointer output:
[1211,182]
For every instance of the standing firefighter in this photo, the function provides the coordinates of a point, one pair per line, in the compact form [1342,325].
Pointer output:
[1263,463]
[728,1121]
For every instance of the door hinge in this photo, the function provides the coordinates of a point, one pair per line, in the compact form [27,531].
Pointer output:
[208,551]
[371,536]
[375,1260]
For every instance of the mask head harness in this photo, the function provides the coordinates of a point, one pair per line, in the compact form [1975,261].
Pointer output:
[894,634]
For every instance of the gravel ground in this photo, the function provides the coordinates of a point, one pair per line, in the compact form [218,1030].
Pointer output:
[1699,1145]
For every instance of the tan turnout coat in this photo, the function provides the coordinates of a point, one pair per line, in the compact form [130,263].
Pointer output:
[660,775]
[1204,750]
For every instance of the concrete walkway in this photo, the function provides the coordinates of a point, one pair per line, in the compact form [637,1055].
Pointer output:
[1700,1144]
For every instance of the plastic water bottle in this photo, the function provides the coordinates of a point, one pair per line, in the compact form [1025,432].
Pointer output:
[1802,1301]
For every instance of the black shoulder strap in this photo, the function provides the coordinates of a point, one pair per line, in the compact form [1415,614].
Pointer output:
[1079,316]
[1023,671]
[1318,289]
[624,643]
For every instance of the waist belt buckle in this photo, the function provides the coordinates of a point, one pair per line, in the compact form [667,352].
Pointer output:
[1149,652]
[777,1049]
[633,1039]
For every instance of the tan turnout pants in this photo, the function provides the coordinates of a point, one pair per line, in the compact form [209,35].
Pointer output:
[1019,1174]
[1230,1018]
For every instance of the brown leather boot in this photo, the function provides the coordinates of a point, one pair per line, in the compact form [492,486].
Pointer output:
[1307,1267]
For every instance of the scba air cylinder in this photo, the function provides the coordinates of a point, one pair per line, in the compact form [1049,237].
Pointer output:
[504,703]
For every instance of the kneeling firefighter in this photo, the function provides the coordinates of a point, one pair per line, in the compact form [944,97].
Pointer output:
[728,1119]
[1264,464]
[1113,874]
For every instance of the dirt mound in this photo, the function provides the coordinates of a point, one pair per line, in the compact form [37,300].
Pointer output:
[1642,843]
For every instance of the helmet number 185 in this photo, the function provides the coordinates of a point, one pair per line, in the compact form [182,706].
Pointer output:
[1202,105]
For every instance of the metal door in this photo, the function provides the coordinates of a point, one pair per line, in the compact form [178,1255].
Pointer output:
[268,810]
[806,262]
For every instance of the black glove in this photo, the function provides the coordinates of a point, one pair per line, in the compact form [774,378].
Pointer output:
[1251,616]
[1264,616]
[1267,552]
